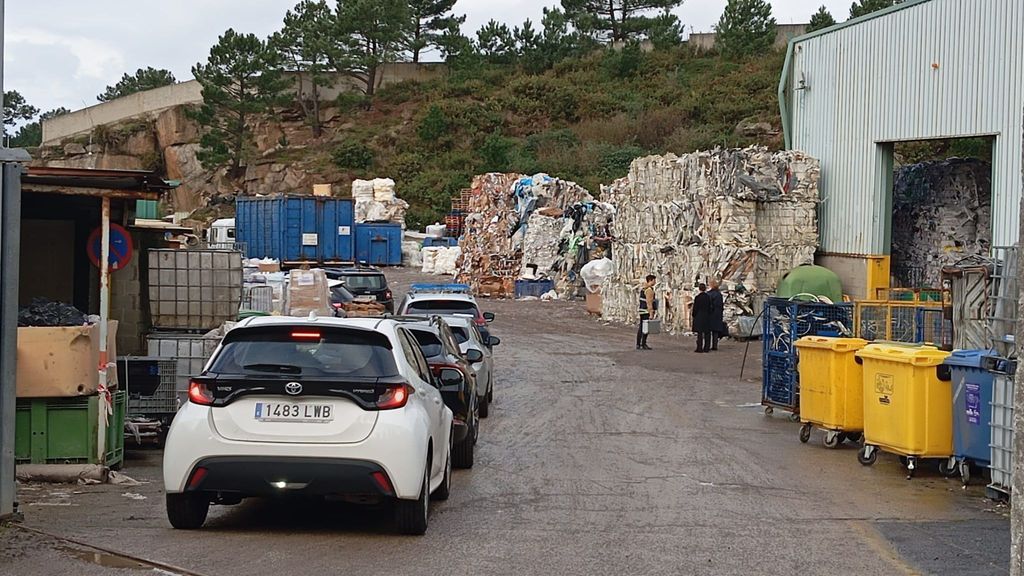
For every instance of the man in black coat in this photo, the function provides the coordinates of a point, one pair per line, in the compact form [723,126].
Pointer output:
[718,328]
[702,319]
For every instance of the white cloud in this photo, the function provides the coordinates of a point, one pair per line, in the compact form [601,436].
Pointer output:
[96,58]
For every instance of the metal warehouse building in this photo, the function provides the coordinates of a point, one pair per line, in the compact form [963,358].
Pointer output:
[921,70]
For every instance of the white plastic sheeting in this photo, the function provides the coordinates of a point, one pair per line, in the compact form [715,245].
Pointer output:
[744,216]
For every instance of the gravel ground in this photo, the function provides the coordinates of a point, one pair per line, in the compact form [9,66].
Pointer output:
[597,459]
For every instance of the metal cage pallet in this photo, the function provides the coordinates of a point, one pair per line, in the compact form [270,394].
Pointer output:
[1001,430]
[899,321]
[165,400]
[785,322]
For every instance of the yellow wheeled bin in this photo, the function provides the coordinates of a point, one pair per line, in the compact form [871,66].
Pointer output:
[831,388]
[907,407]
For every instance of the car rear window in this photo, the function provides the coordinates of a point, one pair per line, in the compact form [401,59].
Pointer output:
[429,343]
[441,307]
[365,282]
[306,351]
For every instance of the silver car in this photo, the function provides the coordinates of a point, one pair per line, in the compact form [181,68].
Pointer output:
[477,347]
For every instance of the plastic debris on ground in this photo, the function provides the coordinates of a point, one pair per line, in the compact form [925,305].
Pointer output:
[745,216]
[44,312]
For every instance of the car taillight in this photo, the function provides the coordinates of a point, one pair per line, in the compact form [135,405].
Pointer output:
[383,482]
[198,393]
[394,397]
[481,321]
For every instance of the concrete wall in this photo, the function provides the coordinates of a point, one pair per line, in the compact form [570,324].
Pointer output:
[704,41]
[151,102]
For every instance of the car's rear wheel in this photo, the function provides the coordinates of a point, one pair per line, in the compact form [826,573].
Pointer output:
[411,515]
[187,511]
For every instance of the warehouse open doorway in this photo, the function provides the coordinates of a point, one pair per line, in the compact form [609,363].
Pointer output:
[941,208]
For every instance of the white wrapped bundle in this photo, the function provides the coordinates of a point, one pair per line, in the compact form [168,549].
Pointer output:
[430,259]
[383,190]
[362,190]
[446,261]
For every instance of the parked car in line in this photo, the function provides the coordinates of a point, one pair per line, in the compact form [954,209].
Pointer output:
[477,349]
[458,390]
[341,299]
[443,300]
[366,283]
[314,406]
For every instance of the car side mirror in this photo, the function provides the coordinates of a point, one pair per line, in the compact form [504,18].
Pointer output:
[451,380]
[493,341]
[474,356]
[489,316]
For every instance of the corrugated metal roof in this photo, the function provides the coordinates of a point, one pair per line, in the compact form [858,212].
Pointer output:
[141,180]
[927,69]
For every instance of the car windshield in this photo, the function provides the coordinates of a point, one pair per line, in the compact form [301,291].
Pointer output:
[429,343]
[365,282]
[441,307]
[298,350]
[461,334]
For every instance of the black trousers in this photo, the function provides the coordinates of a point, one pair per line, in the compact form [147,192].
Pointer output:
[703,341]
[715,336]
[641,338]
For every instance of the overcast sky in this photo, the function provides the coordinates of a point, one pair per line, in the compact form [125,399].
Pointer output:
[64,52]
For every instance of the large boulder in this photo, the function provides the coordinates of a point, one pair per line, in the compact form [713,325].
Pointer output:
[74,149]
[174,127]
[140,144]
[182,163]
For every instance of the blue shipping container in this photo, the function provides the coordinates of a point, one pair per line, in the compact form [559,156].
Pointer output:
[296,228]
[379,244]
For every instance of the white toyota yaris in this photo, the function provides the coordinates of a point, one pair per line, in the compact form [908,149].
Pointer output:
[318,406]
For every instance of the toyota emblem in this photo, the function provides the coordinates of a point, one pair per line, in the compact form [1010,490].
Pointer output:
[293,388]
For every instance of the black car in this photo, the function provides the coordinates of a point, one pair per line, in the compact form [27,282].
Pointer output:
[365,283]
[442,352]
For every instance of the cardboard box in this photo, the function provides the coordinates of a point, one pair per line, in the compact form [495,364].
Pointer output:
[594,302]
[308,292]
[61,362]
[270,266]
[322,190]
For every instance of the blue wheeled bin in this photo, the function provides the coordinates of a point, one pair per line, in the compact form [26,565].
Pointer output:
[972,408]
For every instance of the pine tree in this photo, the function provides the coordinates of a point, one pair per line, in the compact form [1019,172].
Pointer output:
[304,47]
[616,20]
[431,20]
[822,19]
[865,7]
[143,79]
[31,134]
[496,42]
[746,27]
[240,79]
[368,34]
[16,108]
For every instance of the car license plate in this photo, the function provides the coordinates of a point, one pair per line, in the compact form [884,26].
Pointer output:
[365,299]
[291,412]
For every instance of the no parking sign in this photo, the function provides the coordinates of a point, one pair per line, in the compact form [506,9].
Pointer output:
[120,247]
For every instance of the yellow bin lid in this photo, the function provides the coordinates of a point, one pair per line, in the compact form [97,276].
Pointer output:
[831,343]
[918,355]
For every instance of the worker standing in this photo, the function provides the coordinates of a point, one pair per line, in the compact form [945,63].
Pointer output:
[648,310]
[718,328]
[702,319]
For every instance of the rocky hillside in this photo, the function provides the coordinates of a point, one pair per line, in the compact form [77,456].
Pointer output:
[584,120]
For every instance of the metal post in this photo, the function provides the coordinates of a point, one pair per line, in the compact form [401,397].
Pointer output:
[10,253]
[104,317]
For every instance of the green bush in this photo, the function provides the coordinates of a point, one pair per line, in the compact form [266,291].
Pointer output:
[615,161]
[496,152]
[352,155]
[351,101]
[435,126]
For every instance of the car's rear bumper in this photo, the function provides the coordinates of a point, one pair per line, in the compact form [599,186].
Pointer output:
[276,476]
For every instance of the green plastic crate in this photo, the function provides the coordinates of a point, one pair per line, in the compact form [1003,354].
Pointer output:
[64,431]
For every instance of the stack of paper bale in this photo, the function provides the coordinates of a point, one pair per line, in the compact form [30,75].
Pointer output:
[746,217]
[515,222]
[942,215]
[375,201]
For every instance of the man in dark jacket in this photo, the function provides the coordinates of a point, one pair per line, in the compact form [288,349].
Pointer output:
[702,318]
[718,328]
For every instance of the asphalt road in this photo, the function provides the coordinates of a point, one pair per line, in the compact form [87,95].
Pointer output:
[597,459]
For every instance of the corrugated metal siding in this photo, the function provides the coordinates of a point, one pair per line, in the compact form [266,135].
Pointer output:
[874,83]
